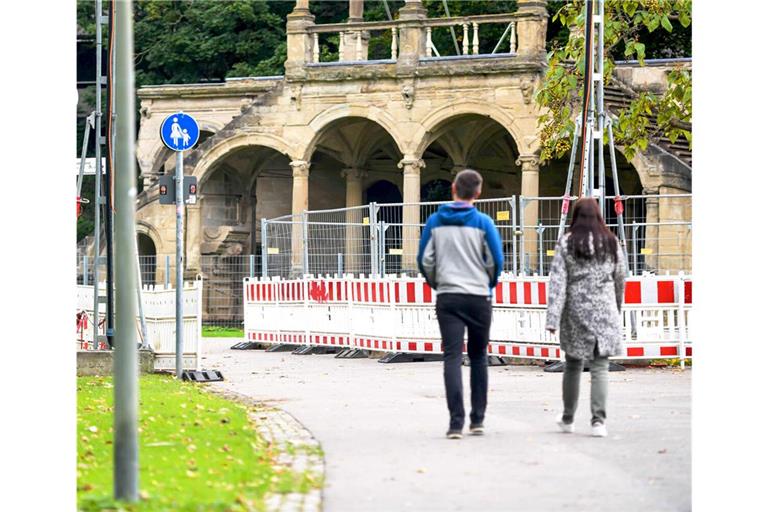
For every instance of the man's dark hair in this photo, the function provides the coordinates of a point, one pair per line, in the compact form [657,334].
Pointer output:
[468,183]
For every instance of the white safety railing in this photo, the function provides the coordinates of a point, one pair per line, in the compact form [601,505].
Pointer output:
[159,303]
[397,314]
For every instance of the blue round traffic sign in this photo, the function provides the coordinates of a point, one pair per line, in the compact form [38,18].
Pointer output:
[179,131]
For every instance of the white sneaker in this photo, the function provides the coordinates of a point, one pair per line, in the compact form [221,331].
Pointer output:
[599,430]
[568,428]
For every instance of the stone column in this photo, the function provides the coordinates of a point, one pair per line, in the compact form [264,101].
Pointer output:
[412,44]
[355,10]
[674,239]
[299,204]
[299,40]
[348,46]
[529,187]
[194,237]
[650,244]
[411,167]
[532,29]
[353,233]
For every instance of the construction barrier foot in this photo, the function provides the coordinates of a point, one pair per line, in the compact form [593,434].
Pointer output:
[325,350]
[402,357]
[283,347]
[202,376]
[352,353]
[492,361]
[559,366]
[247,345]
[314,349]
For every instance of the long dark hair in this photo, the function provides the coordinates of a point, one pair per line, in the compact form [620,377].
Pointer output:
[587,220]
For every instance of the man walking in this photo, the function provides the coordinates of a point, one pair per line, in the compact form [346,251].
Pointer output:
[460,257]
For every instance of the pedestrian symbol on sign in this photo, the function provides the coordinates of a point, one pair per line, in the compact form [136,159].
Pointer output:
[179,132]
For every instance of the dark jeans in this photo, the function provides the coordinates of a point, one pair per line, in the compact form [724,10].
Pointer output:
[456,312]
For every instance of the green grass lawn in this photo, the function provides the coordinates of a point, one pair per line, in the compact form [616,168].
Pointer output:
[197,451]
[212,331]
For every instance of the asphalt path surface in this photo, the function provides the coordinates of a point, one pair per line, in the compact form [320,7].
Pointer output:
[382,428]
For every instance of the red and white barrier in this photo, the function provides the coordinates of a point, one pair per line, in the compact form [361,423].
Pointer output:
[397,314]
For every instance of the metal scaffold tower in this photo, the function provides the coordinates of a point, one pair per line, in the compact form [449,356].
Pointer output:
[591,126]
[102,178]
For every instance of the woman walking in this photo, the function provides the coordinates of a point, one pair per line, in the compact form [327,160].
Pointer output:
[586,290]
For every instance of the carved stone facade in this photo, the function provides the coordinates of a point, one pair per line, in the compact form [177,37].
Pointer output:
[327,134]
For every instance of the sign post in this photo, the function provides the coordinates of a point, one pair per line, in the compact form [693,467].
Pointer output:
[179,132]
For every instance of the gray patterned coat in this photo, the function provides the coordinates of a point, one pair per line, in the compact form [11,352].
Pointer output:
[584,302]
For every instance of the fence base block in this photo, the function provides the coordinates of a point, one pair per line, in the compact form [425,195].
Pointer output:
[202,376]
[352,353]
[402,357]
[283,347]
[492,361]
[247,345]
[559,366]
[314,349]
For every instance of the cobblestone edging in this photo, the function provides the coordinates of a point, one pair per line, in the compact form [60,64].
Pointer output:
[299,452]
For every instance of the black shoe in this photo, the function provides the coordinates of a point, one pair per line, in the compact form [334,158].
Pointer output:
[454,434]
[476,429]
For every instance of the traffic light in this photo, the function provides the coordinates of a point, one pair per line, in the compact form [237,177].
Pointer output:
[167,189]
[190,189]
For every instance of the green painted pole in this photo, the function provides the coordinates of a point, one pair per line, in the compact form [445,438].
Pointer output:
[126,368]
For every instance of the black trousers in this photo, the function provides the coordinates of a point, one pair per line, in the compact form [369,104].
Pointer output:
[455,313]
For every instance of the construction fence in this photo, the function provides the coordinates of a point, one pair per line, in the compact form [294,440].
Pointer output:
[397,314]
[382,239]
[347,241]
[221,276]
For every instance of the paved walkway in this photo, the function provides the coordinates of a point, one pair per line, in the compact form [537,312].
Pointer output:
[382,430]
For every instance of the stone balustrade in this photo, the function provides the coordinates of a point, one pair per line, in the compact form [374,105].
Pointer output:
[353,37]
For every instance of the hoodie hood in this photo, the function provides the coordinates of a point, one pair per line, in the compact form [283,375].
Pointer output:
[455,214]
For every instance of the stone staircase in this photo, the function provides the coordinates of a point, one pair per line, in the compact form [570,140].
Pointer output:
[617,96]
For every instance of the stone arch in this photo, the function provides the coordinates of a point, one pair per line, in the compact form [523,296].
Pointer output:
[158,154]
[424,135]
[226,146]
[145,228]
[383,191]
[327,118]
[437,189]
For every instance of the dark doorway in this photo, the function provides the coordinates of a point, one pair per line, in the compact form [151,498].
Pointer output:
[147,259]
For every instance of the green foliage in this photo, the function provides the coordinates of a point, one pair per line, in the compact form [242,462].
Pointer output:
[212,331]
[186,41]
[628,28]
[197,451]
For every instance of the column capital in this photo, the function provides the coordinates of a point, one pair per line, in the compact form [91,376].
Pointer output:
[651,191]
[300,18]
[411,165]
[456,169]
[300,168]
[413,9]
[529,163]
[532,6]
[353,173]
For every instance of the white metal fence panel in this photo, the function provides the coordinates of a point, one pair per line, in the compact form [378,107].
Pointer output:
[159,303]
